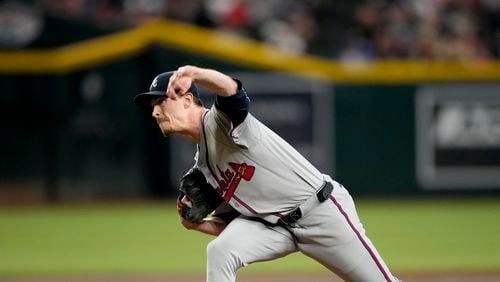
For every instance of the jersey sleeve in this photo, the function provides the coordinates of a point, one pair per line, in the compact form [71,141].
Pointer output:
[229,120]
[236,106]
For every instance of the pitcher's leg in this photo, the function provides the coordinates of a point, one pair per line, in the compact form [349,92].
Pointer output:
[245,241]
[334,236]
[371,266]
[352,261]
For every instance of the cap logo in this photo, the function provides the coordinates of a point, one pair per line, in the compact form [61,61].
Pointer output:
[154,83]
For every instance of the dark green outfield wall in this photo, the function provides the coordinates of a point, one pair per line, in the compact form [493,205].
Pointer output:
[55,142]
[375,144]
[60,143]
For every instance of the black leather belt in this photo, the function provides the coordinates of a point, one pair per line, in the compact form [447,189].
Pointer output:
[322,195]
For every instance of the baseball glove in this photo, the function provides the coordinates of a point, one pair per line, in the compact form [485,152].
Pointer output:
[202,195]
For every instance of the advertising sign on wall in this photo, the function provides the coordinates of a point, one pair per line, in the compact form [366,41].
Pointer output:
[458,136]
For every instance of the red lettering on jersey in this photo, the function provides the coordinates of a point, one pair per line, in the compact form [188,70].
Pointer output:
[230,179]
[224,182]
[242,171]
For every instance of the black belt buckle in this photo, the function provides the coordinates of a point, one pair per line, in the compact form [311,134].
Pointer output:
[296,214]
[292,217]
[324,192]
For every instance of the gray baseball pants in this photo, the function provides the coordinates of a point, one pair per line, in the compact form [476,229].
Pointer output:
[330,233]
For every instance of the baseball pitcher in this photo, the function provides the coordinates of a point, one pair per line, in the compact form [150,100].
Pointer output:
[269,201]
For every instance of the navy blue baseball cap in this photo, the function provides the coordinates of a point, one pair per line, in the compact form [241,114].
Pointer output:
[158,88]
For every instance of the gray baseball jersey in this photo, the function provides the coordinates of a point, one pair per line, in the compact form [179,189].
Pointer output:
[262,176]
[254,169]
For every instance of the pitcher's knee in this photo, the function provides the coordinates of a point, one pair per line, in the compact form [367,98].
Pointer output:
[222,255]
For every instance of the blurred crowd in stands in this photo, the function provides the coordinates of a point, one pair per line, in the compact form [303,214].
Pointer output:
[347,30]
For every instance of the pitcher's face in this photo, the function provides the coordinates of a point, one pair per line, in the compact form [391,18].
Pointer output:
[166,112]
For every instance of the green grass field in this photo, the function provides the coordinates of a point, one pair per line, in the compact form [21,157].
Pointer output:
[146,239]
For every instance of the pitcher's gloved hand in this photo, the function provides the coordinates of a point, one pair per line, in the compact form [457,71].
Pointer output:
[202,197]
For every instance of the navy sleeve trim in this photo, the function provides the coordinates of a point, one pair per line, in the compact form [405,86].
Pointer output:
[236,106]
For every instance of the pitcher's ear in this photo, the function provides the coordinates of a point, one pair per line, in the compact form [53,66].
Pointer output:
[188,99]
